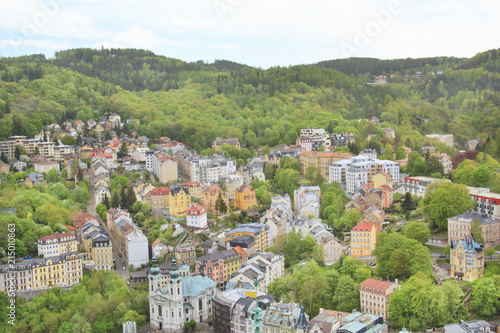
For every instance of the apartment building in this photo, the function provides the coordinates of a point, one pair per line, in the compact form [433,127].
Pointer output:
[263,267]
[341,139]
[42,273]
[45,166]
[204,170]
[219,266]
[417,185]
[359,170]
[195,189]
[460,227]
[196,217]
[56,244]
[363,240]
[185,254]
[320,160]
[158,198]
[444,138]
[486,203]
[260,232]
[165,167]
[374,296]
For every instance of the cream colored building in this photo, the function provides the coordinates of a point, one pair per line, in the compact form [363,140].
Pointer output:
[57,244]
[467,259]
[460,227]
[374,296]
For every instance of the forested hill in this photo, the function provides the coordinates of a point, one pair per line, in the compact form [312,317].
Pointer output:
[197,102]
[356,66]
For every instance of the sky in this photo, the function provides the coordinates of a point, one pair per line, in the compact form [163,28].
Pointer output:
[259,33]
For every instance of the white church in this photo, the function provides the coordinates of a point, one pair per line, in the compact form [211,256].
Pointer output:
[179,299]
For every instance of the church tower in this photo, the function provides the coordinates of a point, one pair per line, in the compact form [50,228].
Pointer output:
[154,278]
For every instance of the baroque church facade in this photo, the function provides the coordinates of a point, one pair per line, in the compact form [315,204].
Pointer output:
[179,298]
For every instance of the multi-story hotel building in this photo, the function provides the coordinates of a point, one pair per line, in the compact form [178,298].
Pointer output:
[467,259]
[460,227]
[57,244]
[359,170]
[374,296]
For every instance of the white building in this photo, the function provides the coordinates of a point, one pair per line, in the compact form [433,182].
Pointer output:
[204,171]
[139,154]
[100,193]
[149,157]
[138,250]
[227,167]
[444,138]
[179,298]
[417,185]
[196,217]
[359,170]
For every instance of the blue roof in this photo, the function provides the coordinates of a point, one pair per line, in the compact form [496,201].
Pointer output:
[194,285]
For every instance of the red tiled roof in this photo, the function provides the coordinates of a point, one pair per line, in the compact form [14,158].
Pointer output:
[213,189]
[363,227]
[196,209]
[377,284]
[156,242]
[189,184]
[56,236]
[160,191]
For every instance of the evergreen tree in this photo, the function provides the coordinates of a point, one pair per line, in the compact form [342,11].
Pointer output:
[44,137]
[106,202]
[220,205]
[115,200]
[330,127]
[17,152]
[79,175]
[107,136]
[131,198]
[78,140]
[407,203]
[123,150]
[37,152]
[3,158]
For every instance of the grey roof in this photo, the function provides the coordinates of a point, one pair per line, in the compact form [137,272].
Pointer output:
[195,285]
[484,219]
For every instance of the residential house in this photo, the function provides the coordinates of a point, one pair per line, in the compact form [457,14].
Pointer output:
[159,248]
[4,168]
[274,158]
[179,200]
[244,198]
[196,217]
[185,254]
[165,168]
[466,259]
[285,317]
[210,196]
[217,143]
[34,178]
[194,188]
[45,166]
[219,266]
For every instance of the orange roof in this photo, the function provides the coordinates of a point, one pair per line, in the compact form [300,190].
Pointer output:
[160,190]
[377,284]
[213,189]
[240,251]
[189,184]
[156,242]
[195,208]
[70,227]
[363,227]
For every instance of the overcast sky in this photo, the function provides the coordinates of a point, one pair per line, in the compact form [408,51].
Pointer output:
[259,33]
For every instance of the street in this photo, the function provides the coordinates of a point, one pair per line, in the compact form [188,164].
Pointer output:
[91,205]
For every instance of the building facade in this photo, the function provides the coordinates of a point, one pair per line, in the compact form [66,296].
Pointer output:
[460,227]
[363,240]
[57,244]
[374,296]
[466,259]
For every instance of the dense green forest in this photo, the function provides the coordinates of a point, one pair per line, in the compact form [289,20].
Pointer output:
[197,102]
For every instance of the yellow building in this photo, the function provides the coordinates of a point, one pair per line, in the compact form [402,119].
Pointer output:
[259,232]
[244,198]
[467,259]
[179,201]
[65,270]
[194,188]
[382,178]
[320,160]
[210,196]
[363,240]
[57,244]
[4,168]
